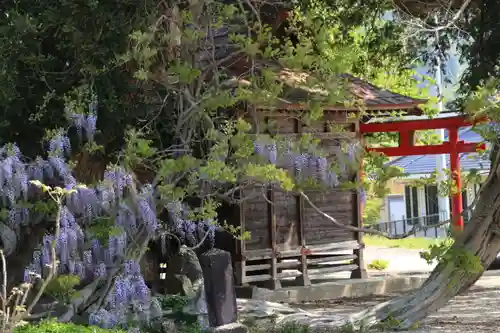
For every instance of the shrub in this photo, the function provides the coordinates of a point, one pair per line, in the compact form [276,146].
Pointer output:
[51,326]
[379,264]
[62,287]
[175,303]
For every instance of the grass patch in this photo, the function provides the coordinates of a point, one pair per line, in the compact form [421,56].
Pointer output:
[415,243]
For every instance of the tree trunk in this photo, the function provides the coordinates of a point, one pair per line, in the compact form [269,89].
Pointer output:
[480,238]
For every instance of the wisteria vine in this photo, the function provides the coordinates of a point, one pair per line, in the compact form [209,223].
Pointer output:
[79,251]
[306,165]
[83,254]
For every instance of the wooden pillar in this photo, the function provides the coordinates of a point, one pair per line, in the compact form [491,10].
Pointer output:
[456,202]
[303,279]
[240,263]
[361,203]
[275,282]
[358,208]
[404,139]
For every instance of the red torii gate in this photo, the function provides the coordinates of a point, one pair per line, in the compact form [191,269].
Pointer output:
[454,147]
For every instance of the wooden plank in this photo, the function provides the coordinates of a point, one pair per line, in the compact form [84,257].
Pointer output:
[289,274]
[330,265]
[335,116]
[337,269]
[320,249]
[319,240]
[256,222]
[347,245]
[257,278]
[331,259]
[281,265]
[288,264]
[252,268]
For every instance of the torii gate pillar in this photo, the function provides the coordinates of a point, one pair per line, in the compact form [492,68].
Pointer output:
[456,205]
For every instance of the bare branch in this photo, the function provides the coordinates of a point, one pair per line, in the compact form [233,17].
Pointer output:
[416,227]
[417,25]
[451,22]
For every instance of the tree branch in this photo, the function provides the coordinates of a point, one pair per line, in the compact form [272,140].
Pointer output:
[454,19]
[416,227]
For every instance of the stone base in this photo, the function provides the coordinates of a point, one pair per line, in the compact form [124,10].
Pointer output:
[231,328]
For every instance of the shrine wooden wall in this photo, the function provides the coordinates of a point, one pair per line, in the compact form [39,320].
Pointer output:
[288,237]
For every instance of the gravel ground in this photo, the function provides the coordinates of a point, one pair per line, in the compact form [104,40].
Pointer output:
[476,311]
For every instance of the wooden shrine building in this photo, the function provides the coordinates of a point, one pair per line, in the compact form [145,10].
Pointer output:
[290,241]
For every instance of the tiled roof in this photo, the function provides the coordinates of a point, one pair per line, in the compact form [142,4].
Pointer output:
[298,89]
[374,98]
[426,164]
[373,95]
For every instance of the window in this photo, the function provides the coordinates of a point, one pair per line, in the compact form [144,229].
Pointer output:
[431,204]
[411,201]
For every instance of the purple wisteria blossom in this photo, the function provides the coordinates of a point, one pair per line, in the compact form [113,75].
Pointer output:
[268,151]
[147,215]
[322,169]
[207,227]
[85,124]
[80,250]
[129,292]
[306,165]
[300,163]
[85,202]
[59,145]
[190,232]
[117,180]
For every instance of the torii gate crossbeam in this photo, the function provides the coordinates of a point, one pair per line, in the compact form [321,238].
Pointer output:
[454,147]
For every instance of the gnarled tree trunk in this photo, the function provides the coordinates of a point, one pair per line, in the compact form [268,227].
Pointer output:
[480,238]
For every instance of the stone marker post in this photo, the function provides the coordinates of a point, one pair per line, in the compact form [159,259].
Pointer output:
[219,287]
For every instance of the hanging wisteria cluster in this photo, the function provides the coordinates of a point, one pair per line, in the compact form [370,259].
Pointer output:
[307,165]
[188,231]
[129,300]
[85,124]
